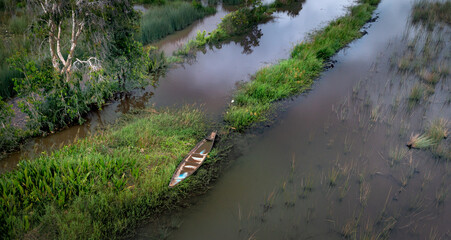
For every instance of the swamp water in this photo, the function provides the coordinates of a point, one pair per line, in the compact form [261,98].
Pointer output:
[209,79]
[335,164]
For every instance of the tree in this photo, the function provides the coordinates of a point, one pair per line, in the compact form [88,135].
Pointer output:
[76,14]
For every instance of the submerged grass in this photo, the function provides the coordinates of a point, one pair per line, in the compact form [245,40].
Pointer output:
[429,13]
[254,99]
[160,21]
[100,186]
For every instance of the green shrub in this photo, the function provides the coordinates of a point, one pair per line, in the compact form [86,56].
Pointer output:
[10,136]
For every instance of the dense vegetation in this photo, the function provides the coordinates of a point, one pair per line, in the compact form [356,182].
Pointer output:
[295,75]
[100,186]
[160,21]
[59,87]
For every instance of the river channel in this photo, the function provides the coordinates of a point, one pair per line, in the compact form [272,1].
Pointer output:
[325,168]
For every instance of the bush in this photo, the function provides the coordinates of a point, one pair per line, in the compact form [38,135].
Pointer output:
[10,136]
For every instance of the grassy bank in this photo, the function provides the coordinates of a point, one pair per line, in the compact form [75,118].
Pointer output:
[253,101]
[101,186]
[160,21]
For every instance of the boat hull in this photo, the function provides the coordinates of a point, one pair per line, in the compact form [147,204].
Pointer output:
[193,160]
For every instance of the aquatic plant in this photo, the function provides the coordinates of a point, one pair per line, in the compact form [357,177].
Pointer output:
[416,94]
[420,141]
[429,13]
[438,130]
[396,155]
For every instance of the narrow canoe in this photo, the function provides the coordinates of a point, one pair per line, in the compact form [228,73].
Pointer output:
[193,160]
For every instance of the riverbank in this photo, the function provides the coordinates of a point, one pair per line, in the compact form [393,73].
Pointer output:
[254,100]
[37,95]
[101,186]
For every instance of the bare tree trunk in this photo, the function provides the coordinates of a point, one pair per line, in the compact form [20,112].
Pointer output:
[51,43]
[77,28]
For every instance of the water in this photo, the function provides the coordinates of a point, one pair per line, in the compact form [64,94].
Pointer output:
[336,140]
[323,170]
[210,79]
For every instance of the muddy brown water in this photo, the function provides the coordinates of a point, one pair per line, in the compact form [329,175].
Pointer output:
[323,170]
[208,80]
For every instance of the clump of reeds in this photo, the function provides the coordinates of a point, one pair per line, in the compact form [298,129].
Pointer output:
[438,130]
[420,141]
[416,94]
[429,77]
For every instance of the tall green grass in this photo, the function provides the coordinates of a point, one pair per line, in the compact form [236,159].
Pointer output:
[99,187]
[253,101]
[160,21]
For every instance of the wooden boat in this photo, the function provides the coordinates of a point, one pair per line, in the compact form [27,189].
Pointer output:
[193,160]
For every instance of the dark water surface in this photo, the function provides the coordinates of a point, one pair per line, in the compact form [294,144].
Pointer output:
[209,79]
[324,170]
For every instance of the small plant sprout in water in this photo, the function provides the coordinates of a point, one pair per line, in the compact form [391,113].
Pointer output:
[347,145]
[364,193]
[396,155]
[306,186]
[441,194]
[375,114]
[333,176]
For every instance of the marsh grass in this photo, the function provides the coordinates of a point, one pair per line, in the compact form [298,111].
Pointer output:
[160,21]
[102,185]
[416,94]
[396,155]
[438,130]
[429,13]
[253,101]
[420,141]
